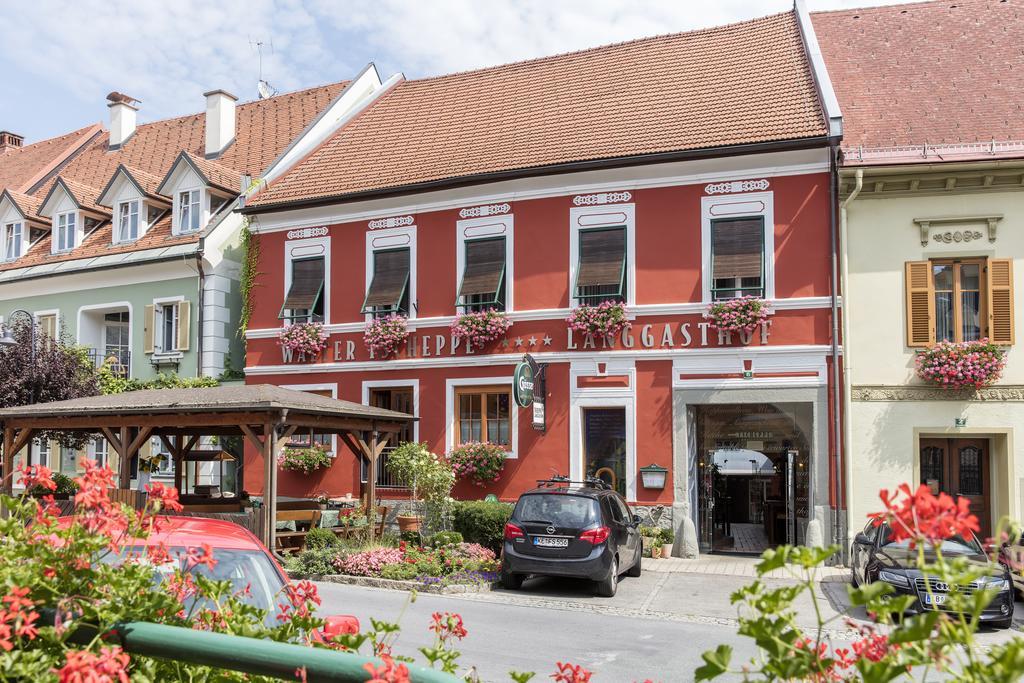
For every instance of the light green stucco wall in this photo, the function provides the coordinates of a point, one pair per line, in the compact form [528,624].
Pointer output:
[138,296]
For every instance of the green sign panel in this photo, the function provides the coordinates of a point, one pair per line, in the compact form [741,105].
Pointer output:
[522,384]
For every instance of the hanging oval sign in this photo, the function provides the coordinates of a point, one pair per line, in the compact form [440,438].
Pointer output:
[522,385]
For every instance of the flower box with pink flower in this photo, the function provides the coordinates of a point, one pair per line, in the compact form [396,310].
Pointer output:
[383,336]
[743,315]
[606,319]
[961,365]
[481,327]
[306,340]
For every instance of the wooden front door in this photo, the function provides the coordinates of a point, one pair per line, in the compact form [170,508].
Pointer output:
[960,467]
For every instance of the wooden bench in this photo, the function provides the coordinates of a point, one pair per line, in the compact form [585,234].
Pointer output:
[350,531]
[295,541]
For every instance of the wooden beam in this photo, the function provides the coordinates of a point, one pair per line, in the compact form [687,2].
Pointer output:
[139,439]
[269,486]
[23,437]
[8,463]
[371,485]
[113,439]
[124,465]
[190,444]
[252,436]
[334,424]
[184,420]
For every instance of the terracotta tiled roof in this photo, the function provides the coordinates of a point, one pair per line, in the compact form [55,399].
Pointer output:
[26,203]
[147,181]
[743,83]
[21,168]
[262,131]
[932,73]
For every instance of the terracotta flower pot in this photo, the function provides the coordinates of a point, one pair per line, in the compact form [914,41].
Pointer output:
[666,550]
[409,522]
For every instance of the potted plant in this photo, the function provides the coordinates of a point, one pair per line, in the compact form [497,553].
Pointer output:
[647,536]
[667,537]
[308,340]
[960,365]
[656,548]
[480,327]
[383,336]
[429,478]
[149,465]
[607,319]
[306,459]
[481,462]
[743,314]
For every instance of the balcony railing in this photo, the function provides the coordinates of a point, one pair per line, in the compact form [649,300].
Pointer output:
[120,360]
[384,477]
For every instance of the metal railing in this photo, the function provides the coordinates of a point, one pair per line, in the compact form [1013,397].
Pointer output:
[120,361]
[384,476]
[239,653]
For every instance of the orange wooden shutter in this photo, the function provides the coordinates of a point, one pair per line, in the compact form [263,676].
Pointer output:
[1000,300]
[920,304]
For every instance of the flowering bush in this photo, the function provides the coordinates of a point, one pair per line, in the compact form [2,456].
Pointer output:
[743,314]
[607,319]
[956,365]
[384,335]
[481,462]
[368,562]
[467,562]
[306,339]
[892,645]
[481,327]
[304,459]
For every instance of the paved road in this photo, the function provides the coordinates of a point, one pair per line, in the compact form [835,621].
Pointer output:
[656,626]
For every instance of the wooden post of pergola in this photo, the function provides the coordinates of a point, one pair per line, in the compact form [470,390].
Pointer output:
[266,416]
[372,453]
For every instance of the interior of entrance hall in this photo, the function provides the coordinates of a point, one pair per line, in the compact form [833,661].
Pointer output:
[753,463]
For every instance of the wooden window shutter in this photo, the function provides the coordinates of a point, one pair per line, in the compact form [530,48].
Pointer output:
[184,320]
[485,264]
[602,257]
[737,246]
[920,304]
[390,278]
[307,284]
[1000,300]
[148,328]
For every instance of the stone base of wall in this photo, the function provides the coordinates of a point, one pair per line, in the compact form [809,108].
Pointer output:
[374,582]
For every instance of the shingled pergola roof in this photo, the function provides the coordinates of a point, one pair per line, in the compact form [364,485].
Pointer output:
[266,415]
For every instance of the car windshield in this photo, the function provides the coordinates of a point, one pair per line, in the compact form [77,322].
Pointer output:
[564,510]
[243,568]
[955,545]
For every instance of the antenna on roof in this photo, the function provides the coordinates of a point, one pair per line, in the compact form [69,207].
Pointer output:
[263,88]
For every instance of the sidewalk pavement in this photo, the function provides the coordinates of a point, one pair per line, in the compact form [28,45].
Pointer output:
[729,565]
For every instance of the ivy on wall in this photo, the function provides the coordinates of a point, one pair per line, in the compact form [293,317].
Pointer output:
[251,248]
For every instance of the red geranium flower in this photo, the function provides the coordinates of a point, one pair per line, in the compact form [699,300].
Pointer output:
[922,516]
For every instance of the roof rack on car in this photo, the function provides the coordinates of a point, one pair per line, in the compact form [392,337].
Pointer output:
[559,480]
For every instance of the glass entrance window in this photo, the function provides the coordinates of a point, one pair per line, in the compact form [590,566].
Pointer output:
[753,474]
[604,445]
[116,342]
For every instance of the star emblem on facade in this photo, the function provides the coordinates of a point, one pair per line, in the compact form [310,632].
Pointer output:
[505,342]
[519,341]
[547,340]
[533,341]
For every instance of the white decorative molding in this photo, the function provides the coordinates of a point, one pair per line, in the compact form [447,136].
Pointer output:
[486,210]
[912,392]
[949,237]
[737,186]
[391,222]
[990,221]
[304,233]
[601,198]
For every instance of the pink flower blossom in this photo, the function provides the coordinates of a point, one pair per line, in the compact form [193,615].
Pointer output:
[384,335]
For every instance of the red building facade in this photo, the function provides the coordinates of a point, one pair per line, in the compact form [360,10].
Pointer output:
[741,422]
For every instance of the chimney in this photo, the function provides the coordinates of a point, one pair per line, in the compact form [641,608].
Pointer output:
[220,121]
[9,141]
[122,118]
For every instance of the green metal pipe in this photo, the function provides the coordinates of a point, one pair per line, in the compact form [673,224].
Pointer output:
[239,653]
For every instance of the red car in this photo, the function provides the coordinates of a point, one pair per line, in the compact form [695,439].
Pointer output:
[241,558]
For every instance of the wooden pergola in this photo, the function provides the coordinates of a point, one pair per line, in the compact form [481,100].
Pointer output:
[263,414]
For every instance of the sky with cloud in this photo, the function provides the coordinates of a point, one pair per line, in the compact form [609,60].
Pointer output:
[60,58]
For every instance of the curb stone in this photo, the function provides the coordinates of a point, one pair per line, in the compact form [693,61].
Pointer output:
[393,584]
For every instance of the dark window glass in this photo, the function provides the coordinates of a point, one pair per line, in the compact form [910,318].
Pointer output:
[576,512]
[932,466]
[970,471]
[601,275]
[737,258]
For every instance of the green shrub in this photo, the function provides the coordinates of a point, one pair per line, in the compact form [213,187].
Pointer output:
[442,538]
[481,522]
[318,539]
[66,486]
[667,536]
[399,572]
[313,561]
[650,532]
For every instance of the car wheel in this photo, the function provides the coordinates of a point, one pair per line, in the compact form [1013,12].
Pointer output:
[606,587]
[512,582]
[853,578]
[635,569]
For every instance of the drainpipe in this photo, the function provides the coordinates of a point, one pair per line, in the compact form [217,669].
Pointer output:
[836,405]
[844,252]
[202,299]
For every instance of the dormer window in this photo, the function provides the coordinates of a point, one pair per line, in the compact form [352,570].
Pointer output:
[128,221]
[66,227]
[189,211]
[13,240]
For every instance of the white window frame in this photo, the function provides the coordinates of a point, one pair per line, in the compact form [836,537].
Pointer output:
[158,326]
[296,250]
[603,216]
[178,206]
[486,227]
[617,397]
[450,385]
[383,240]
[324,386]
[19,244]
[71,227]
[369,385]
[94,451]
[131,204]
[747,205]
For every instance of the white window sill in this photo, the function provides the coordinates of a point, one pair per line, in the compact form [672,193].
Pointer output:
[167,357]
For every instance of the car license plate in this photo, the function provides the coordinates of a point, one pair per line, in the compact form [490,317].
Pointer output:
[545,542]
[934,599]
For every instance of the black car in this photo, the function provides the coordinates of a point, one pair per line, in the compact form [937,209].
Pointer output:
[875,556]
[574,529]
